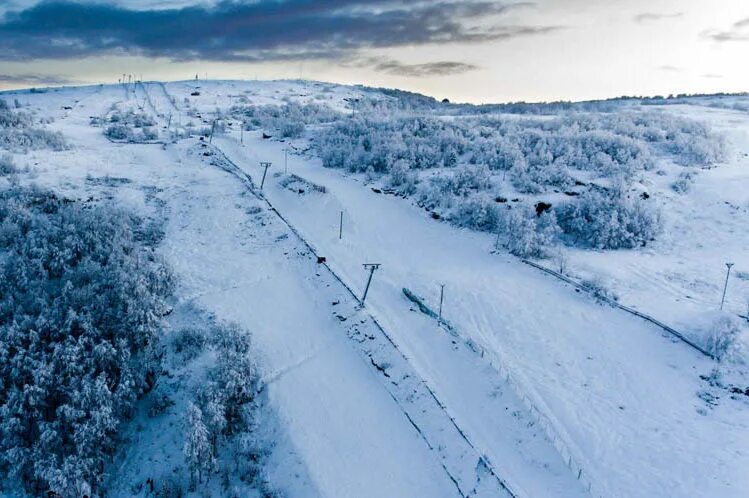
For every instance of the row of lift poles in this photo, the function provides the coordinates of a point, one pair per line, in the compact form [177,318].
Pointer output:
[372,267]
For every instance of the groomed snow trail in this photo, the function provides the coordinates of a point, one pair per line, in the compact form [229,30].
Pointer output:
[470,470]
[620,396]
[501,434]
[337,401]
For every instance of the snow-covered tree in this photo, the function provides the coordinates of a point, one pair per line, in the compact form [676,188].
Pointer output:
[611,220]
[79,319]
[197,448]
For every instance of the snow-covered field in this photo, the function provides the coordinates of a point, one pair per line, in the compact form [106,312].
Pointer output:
[535,390]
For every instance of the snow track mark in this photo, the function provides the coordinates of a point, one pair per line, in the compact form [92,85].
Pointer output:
[465,465]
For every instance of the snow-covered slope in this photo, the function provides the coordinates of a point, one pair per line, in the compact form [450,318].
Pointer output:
[536,390]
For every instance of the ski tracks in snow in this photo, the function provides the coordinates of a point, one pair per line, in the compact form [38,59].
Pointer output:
[469,470]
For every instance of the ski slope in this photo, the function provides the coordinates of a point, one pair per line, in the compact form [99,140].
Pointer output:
[620,395]
[540,392]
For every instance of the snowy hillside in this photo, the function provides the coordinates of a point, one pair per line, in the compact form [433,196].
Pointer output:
[544,321]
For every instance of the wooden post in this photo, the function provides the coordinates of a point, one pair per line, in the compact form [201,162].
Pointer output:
[340,228]
[371,267]
[265,171]
[442,294]
[213,127]
[725,286]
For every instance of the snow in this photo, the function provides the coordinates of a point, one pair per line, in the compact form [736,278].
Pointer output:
[561,396]
[594,368]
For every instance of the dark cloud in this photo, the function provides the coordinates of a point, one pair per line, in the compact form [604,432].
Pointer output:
[394,67]
[255,31]
[651,16]
[34,79]
[739,31]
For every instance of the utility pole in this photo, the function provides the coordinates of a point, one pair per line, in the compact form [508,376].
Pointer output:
[213,128]
[442,294]
[266,166]
[340,228]
[241,133]
[371,267]
[725,286]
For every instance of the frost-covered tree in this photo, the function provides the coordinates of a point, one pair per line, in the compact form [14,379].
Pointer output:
[611,220]
[530,234]
[19,131]
[197,448]
[80,305]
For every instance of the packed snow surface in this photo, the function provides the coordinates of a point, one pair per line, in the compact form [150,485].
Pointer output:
[533,389]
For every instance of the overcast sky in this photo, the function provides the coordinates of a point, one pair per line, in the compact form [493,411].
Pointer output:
[469,50]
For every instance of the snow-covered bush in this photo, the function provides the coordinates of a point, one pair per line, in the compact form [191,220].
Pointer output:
[599,288]
[123,132]
[131,118]
[119,132]
[150,134]
[79,321]
[530,234]
[188,343]
[18,133]
[610,220]
[7,166]
[721,339]
[402,178]
[290,118]
[475,156]
[477,213]
[292,130]
[683,183]
[539,153]
[220,424]
[364,142]
[10,119]
[128,126]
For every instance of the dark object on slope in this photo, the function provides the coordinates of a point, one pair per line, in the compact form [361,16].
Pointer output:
[542,207]
[321,260]
[266,136]
[195,93]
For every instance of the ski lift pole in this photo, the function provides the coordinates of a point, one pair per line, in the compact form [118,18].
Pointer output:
[265,171]
[371,267]
[725,286]
[442,294]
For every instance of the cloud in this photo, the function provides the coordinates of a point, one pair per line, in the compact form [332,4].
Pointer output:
[35,79]
[394,67]
[712,76]
[672,69]
[231,30]
[739,31]
[651,16]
